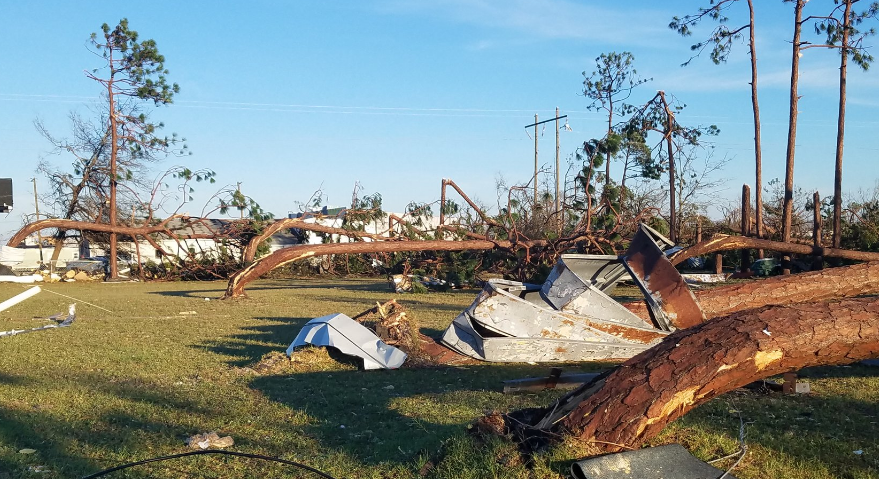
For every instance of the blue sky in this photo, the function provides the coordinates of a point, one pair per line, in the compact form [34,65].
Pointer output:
[290,96]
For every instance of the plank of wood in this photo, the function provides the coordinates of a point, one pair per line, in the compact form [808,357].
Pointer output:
[560,381]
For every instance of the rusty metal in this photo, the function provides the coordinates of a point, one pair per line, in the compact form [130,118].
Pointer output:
[670,301]
[571,317]
[466,336]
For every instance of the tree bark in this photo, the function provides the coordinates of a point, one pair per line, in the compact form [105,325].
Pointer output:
[634,402]
[286,223]
[824,285]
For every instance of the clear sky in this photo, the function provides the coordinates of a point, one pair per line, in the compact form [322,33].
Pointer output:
[290,96]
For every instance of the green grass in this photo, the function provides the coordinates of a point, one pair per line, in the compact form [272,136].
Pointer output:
[135,383]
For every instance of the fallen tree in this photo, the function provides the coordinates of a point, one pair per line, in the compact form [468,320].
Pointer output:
[833,283]
[632,403]
[263,265]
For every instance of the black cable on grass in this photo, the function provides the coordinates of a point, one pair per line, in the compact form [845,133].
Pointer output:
[209,451]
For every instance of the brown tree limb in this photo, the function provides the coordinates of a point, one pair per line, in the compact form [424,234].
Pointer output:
[726,243]
[286,223]
[639,398]
[239,280]
[31,228]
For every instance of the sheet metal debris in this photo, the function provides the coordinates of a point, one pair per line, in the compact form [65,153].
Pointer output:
[671,461]
[351,338]
[571,317]
[670,301]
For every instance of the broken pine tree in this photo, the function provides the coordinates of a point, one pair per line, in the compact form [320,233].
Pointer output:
[635,401]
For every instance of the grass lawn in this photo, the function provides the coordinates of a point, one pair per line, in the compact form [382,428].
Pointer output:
[135,383]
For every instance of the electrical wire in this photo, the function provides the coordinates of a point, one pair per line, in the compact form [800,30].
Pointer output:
[209,451]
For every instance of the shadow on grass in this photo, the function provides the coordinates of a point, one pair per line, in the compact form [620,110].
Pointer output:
[61,437]
[806,431]
[400,415]
[256,341]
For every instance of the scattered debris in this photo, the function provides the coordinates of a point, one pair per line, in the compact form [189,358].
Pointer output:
[209,439]
[571,317]
[351,338]
[555,380]
[59,323]
[414,283]
[671,461]
[790,385]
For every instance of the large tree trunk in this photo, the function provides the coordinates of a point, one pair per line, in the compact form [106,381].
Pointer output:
[634,402]
[835,283]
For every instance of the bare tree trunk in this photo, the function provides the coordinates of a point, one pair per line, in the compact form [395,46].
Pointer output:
[818,263]
[824,285]
[746,227]
[114,150]
[787,213]
[840,127]
[638,399]
[758,148]
[669,125]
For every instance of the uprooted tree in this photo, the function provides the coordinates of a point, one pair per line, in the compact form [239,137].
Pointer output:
[634,402]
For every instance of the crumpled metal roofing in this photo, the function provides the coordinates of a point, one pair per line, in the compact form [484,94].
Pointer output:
[351,338]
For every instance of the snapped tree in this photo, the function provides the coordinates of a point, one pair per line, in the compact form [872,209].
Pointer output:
[843,34]
[721,40]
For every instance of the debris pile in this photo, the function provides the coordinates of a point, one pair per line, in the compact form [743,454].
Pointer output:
[571,317]
[414,283]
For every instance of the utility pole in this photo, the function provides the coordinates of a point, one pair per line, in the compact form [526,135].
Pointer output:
[535,124]
[557,160]
[37,210]
[534,208]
